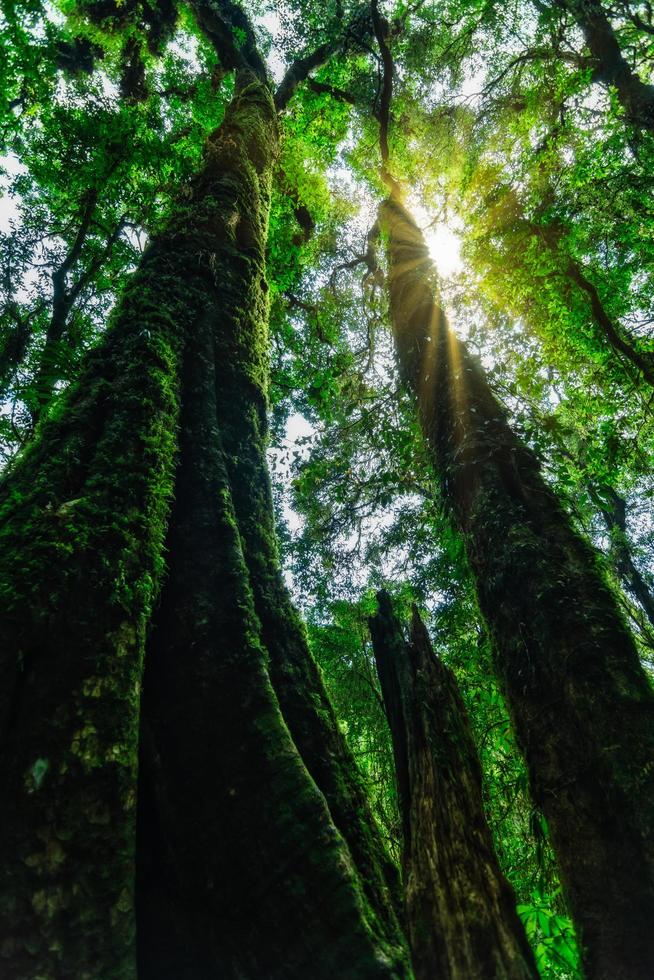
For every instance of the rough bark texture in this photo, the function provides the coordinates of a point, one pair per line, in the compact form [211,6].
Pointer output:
[82,520]
[582,707]
[242,411]
[242,379]
[461,910]
[242,871]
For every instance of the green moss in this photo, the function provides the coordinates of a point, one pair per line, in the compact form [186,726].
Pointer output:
[582,706]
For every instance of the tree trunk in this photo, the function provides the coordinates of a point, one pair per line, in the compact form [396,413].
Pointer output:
[260,881]
[246,875]
[82,521]
[461,910]
[242,412]
[242,872]
[582,706]
[610,66]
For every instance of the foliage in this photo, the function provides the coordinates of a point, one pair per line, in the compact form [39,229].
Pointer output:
[504,125]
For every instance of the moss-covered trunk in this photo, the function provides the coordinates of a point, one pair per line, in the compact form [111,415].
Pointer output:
[461,911]
[582,707]
[82,522]
[242,412]
[242,870]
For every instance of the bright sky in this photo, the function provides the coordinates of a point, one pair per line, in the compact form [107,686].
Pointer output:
[8,210]
[445,249]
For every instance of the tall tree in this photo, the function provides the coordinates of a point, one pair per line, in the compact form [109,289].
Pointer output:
[582,707]
[146,612]
[608,61]
[461,914]
[92,494]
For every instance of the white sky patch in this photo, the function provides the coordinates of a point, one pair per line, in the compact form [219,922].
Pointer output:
[297,428]
[445,249]
[472,85]
[275,61]
[185,47]
[10,166]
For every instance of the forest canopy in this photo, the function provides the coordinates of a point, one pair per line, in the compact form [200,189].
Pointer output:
[327,455]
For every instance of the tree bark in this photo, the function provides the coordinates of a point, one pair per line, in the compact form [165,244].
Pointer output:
[461,910]
[611,67]
[242,872]
[582,707]
[242,411]
[82,521]
[260,881]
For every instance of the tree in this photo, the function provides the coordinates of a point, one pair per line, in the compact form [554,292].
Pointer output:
[92,494]
[164,718]
[452,878]
[581,704]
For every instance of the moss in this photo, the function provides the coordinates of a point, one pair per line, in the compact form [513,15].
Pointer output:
[82,522]
[261,818]
[582,706]
[451,873]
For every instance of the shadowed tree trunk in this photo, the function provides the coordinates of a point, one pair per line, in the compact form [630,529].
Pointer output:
[609,64]
[290,903]
[581,704]
[242,871]
[242,411]
[82,521]
[461,911]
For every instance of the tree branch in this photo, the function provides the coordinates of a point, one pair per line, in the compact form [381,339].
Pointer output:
[220,20]
[353,34]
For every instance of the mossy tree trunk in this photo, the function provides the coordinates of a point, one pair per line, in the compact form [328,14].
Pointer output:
[461,911]
[582,706]
[248,867]
[241,386]
[247,852]
[82,523]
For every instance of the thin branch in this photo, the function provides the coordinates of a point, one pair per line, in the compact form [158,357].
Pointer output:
[320,88]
